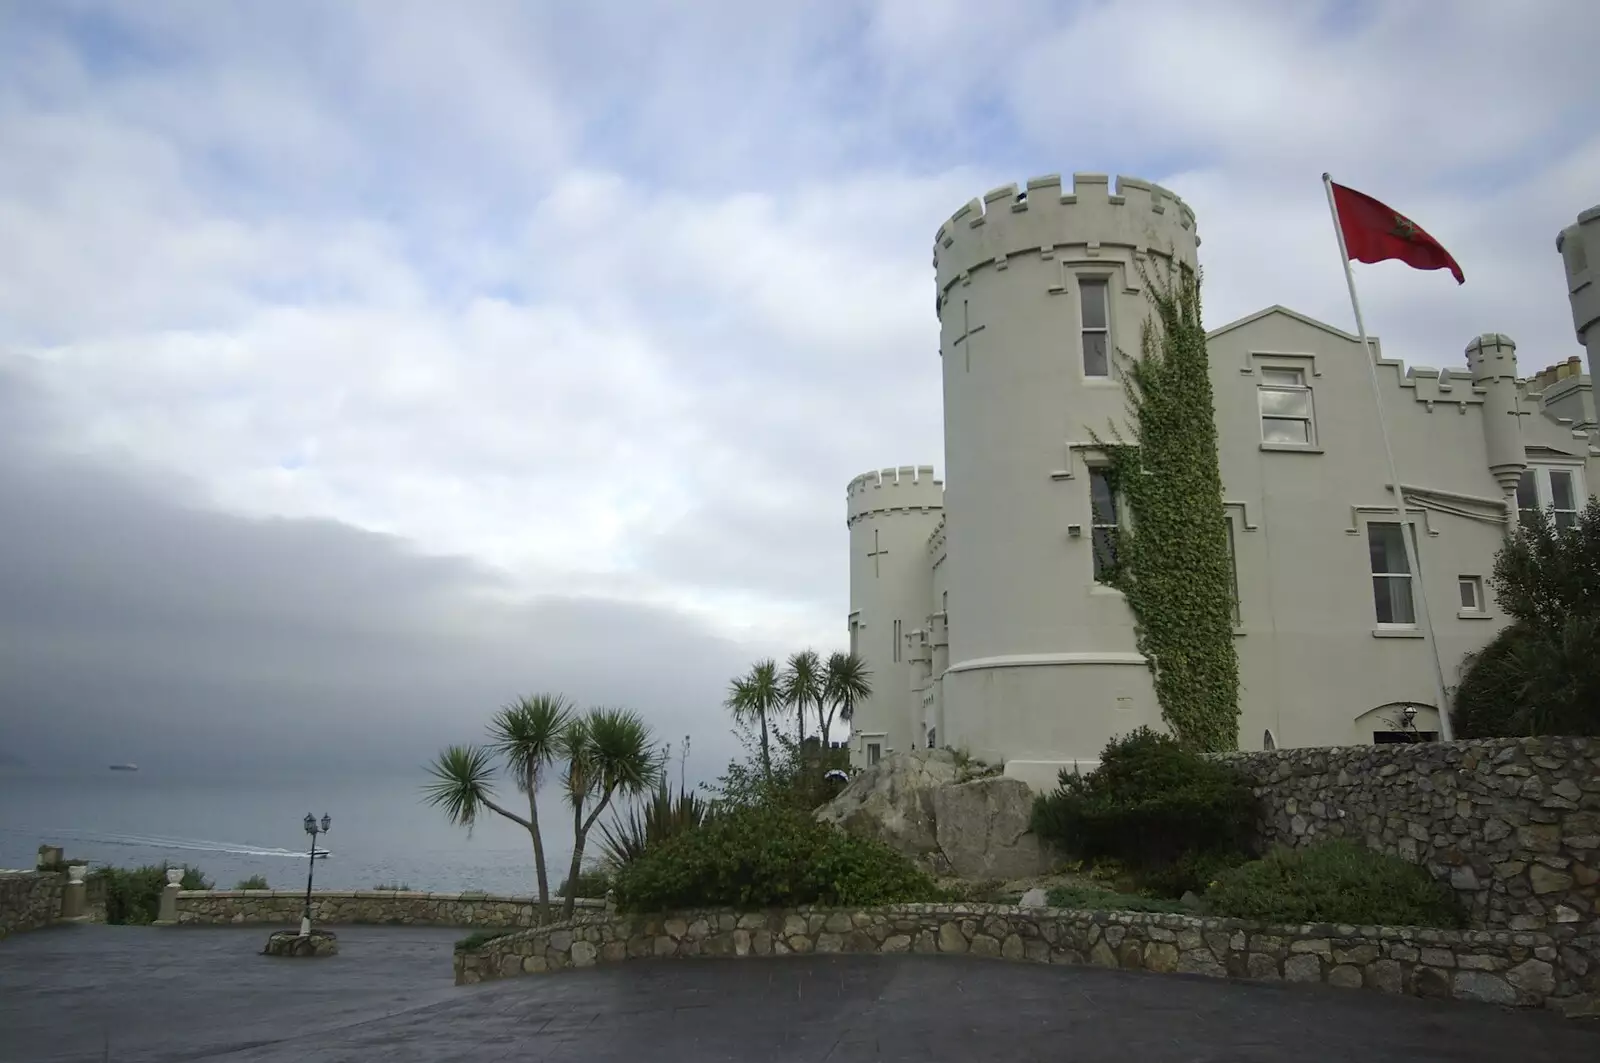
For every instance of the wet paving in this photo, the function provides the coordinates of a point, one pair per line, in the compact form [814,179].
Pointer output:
[88,994]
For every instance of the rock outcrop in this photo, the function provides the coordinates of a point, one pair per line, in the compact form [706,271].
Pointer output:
[982,828]
[923,804]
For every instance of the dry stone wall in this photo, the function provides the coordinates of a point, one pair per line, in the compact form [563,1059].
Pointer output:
[1499,967]
[1512,824]
[29,899]
[391,907]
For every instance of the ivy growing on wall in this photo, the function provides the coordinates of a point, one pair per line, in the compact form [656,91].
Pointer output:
[1172,553]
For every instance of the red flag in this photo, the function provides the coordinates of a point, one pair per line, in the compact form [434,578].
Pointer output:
[1374,232]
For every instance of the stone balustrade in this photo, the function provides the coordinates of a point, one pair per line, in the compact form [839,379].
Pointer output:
[385,907]
[30,899]
[1523,969]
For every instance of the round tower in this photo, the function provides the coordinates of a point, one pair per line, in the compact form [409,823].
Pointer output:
[1579,246]
[1492,358]
[1038,289]
[890,515]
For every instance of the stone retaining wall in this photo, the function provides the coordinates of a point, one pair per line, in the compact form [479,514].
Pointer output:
[1524,969]
[393,907]
[29,899]
[1512,824]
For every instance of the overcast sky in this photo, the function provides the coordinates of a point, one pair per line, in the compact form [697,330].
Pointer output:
[364,364]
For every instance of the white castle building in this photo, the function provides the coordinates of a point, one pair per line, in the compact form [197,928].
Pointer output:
[976,601]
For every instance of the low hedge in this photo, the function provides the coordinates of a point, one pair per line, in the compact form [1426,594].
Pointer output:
[1334,881]
[133,895]
[767,856]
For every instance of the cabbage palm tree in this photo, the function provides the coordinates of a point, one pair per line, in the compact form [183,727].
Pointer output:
[526,735]
[753,698]
[608,752]
[846,681]
[802,688]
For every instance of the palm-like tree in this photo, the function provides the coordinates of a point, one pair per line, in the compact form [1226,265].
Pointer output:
[753,698]
[524,733]
[802,687]
[608,752]
[846,681]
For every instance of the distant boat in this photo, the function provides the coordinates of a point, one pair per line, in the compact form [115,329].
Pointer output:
[124,767]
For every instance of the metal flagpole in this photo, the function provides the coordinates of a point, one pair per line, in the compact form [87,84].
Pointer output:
[1411,549]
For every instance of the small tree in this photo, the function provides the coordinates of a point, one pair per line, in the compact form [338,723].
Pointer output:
[607,752]
[1541,674]
[526,735]
[802,687]
[846,682]
[754,698]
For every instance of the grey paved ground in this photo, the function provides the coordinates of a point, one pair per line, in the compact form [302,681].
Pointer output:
[204,994]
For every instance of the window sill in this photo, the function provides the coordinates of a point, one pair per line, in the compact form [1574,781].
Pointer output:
[1396,631]
[1291,448]
[1101,382]
[1238,632]
[1472,614]
[1107,590]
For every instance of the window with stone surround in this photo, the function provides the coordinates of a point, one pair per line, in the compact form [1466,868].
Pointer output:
[1233,566]
[1094,325]
[1557,488]
[1285,404]
[1391,575]
[897,640]
[1103,522]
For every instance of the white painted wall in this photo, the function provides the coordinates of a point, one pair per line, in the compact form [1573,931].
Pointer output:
[1041,667]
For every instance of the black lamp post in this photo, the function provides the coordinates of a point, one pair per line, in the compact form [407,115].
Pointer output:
[313,828]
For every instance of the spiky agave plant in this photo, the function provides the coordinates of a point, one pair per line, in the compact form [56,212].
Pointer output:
[647,823]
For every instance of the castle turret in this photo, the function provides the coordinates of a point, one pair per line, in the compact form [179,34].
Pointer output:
[1579,246]
[1038,289]
[890,515]
[1492,358]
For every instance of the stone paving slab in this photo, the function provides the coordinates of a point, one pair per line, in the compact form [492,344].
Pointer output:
[203,994]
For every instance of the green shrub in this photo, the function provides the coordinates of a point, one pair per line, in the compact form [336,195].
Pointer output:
[254,882]
[133,895]
[480,937]
[1334,881]
[1088,898]
[762,856]
[592,882]
[1170,815]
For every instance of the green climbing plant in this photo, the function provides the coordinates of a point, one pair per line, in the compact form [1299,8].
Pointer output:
[1172,559]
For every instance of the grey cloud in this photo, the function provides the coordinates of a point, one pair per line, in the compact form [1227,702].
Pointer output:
[137,624]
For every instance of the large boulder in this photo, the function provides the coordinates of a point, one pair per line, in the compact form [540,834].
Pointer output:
[892,801]
[982,827]
[922,803]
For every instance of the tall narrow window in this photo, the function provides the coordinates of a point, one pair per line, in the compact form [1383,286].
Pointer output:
[1563,498]
[897,640]
[874,753]
[1103,523]
[1233,566]
[855,636]
[944,604]
[1095,327]
[1285,403]
[1391,576]
[1527,494]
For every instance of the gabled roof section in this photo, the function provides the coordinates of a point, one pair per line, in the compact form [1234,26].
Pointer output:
[1278,308]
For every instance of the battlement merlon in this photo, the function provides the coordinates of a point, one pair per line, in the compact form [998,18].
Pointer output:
[1492,356]
[906,488]
[1144,217]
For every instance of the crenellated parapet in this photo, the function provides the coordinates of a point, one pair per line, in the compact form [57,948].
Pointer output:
[1043,219]
[906,489]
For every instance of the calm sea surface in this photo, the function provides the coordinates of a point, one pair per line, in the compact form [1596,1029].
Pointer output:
[382,832]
